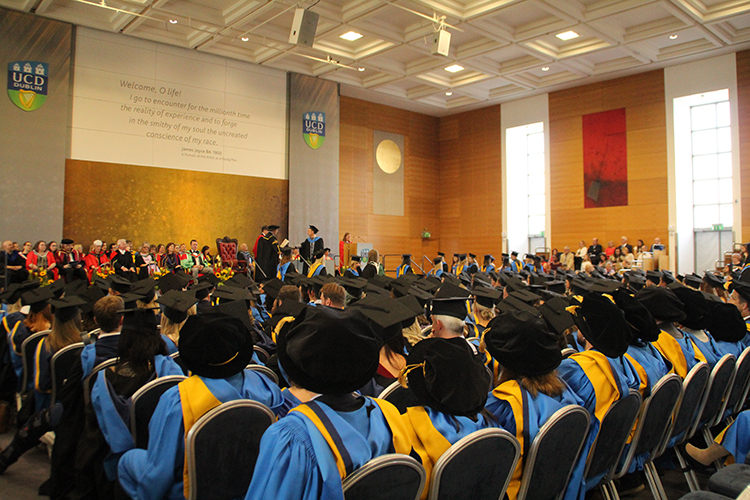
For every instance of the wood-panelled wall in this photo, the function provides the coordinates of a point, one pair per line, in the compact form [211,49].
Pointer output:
[646,215]
[470,202]
[389,234]
[743,105]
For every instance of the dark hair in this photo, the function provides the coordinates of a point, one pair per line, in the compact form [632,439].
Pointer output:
[204,249]
[138,346]
[36,245]
[335,293]
[170,244]
[191,241]
[289,292]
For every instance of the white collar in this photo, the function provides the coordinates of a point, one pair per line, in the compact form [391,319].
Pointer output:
[121,251]
[108,334]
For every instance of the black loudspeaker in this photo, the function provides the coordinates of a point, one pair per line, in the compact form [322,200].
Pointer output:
[303,27]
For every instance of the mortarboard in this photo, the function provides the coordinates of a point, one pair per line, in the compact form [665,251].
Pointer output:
[176,304]
[66,308]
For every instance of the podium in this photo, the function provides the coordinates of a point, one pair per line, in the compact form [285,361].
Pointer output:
[349,250]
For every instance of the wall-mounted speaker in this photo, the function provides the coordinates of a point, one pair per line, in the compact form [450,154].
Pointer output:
[303,27]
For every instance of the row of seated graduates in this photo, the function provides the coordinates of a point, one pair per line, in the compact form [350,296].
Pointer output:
[418,289]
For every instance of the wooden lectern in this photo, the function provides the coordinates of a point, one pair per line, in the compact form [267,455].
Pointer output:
[349,250]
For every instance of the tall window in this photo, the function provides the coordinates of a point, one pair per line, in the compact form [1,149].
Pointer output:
[526,189]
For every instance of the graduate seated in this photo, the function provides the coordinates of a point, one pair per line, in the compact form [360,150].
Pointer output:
[450,382]
[216,348]
[330,353]
[732,442]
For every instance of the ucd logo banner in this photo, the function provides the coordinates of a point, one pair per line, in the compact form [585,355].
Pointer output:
[27,84]
[314,128]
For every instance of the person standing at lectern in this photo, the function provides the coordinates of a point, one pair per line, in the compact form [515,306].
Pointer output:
[310,247]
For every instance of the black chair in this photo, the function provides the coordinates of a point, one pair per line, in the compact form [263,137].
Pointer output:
[653,423]
[553,454]
[263,356]
[610,442]
[730,481]
[400,397]
[264,370]
[477,467]
[90,337]
[685,420]
[387,477]
[741,385]
[143,404]
[60,365]
[222,447]
[28,351]
[89,381]
[719,386]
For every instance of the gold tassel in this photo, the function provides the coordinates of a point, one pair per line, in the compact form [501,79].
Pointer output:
[405,371]
[482,343]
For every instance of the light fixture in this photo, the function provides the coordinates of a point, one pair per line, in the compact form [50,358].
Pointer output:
[568,35]
[449,93]
[245,39]
[360,69]
[351,36]
[545,68]
[672,37]
[173,21]
[454,69]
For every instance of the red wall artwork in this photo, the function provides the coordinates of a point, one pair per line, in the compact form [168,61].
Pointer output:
[605,159]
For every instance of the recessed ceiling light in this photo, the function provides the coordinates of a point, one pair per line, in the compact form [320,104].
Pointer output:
[545,68]
[449,93]
[245,39]
[173,21]
[672,37]
[454,69]
[351,36]
[568,35]
[360,69]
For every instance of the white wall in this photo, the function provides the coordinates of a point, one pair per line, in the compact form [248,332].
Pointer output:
[143,103]
[684,80]
[515,114]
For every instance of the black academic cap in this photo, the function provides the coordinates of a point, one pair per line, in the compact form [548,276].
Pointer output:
[441,254]
[654,277]
[698,315]
[489,257]
[713,280]
[145,288]
[555,314]
[603,324]
[235,308]
[450,279]
[521,341]
[514,253]
[667,276]
[380,281]
[272,287]
[742,288]
[57,287]
[66,241]
[176,305]
[129,299]
[525,296]
[238,281]
[66,308]
[373,289]
[119,284]
[556,286]
[12,293]
[356,258]
[182,278]
[511,303]
[693,281]
[636,281]
[450,300]
[420,294]
[353,286]
[386,313]
[727,324]
[229,293]
[461,256]
[473,256]
[76,287]
[486,296]
[290,307]
[411,302]
[314,229]
[319,281]
[91,295]
[286,250]
[210,278]
[215,345]
[37,298]
[406,256]
[273,227]
[295,279]
[662,303]
[641,322]
[201,290]
[102,283]
[482,278]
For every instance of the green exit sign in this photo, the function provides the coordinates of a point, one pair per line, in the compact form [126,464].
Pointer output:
[718,227]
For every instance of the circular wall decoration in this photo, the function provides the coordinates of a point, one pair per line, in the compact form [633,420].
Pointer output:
[388,156]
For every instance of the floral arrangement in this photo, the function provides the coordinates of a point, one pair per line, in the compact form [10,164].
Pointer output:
[43,277]
[161,272]
[225,274]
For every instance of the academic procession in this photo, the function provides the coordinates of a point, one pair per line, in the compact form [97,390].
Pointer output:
[375,250]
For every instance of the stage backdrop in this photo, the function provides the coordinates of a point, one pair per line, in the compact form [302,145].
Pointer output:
[33,138]
[110,201]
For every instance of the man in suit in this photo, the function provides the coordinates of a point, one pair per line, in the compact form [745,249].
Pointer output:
[594,250]
[625,247]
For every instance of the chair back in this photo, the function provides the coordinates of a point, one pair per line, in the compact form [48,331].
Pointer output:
[143,404]
[28,350]
[264,370]
[60,365]
[689,406]
[568,352]
[227,249]
[400,397]
[553,454]
[387,477]
[222,448]
[90,337]
[741,383]
[477,467]
[719,385]
[613,435]
[262,354]
[89,381]
[654,420]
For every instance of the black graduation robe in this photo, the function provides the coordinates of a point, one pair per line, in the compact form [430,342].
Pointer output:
[307,249]
[267,258]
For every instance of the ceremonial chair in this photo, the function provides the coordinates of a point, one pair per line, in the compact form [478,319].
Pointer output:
[28,351]
[264,370]
[653,423]
[719,385]
[143,405]
[553,454]
[477,467]
[227,249]
[399,396]
[60,365]
[613,435]
[387,477]
[685,420]
[222,447]
[730,481]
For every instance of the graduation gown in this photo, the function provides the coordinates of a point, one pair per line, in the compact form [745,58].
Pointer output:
[403,269]
[94,261]
[267,258]
[352,273]
[127,260]
[682,353]
[296,461]
[283,269]
[158,472]
[736,437]
[308,248]
[369,271]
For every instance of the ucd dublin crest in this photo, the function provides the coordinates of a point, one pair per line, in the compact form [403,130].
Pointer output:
[27,84]
[314,128]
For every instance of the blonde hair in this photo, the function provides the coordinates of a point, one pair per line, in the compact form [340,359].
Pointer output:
[172,329]
[65,333]
[14,307]
[40,321]
[549,383]
[412,333]
[486,313]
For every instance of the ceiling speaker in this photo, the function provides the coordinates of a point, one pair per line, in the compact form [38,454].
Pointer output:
[303,27]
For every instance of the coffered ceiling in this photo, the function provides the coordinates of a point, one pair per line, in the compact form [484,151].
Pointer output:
[508,49]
